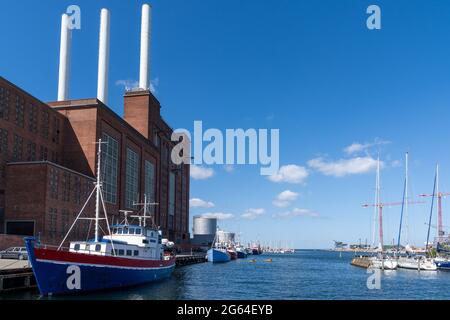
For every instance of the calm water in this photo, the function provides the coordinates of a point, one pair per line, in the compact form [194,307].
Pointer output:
[306,274]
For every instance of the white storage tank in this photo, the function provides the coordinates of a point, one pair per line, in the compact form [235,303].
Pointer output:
[204,225]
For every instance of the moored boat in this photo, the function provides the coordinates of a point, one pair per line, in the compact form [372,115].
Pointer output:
[385,263]
[129,255]
[241,252]
[218,255]
[233,254]
[417,263]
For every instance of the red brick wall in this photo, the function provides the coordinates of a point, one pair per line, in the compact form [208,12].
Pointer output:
[7,241]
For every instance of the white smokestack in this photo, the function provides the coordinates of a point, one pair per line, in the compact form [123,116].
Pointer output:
[103,57]
[145,47]
[64,59]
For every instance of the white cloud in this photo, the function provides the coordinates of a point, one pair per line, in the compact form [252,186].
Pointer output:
[218,215]
[297,212]
[228,168]
[199,203]
[253,213]
[129,84]
[344,167]
[285,198]
[290,173]
[357,147]
[201,173]
[396,163]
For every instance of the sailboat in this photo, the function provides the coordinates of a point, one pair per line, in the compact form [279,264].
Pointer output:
[381,261]
[409,261]
[128,255]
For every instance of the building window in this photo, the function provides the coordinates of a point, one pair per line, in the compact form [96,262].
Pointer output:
[44,153]
[65,221]
[56,130]
[45,125]
[132,178]
[150,184]
[156,138]
[65,186]
[77,190]
[31,151]
[51,222]
[32,123]
[54,177]
[3,141]
[110,163]
[20,111]
[54,157]
[17,148]
[4,103]
[172,179]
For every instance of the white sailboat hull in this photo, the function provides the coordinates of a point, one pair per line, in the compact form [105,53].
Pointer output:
[386,264]
[417,264]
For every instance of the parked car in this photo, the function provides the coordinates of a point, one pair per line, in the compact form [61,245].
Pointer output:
[14,253]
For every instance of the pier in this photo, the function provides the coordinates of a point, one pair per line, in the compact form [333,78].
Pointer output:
[361,261]
[187,259]
[16,275]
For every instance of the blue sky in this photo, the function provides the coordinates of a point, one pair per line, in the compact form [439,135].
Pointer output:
[309,68]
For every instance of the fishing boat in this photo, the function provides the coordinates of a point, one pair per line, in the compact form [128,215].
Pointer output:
[241,252]
[218,252]
[232,252]
[218,255]
[128,255]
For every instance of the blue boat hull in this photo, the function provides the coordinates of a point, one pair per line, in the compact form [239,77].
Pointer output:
[58,278]
[214,255]
[241,255]
[443,265]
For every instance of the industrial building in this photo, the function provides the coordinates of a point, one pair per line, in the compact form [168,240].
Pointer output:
[48,154]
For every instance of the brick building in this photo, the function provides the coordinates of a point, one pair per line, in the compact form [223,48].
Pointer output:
[48,159]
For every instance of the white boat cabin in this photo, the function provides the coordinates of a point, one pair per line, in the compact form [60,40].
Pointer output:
[128,241]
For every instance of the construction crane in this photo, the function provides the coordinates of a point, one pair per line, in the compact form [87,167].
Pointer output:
[439,195]
[380,207]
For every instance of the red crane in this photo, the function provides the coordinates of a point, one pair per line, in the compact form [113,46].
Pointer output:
[439,195]
[380,207]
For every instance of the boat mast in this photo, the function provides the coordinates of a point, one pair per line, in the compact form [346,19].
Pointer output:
[98,184]
[431,210]
[379,206]
[375,210]
[404,206]
[439,198]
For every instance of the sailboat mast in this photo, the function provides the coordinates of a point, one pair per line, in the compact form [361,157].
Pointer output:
[439,198]
[406,201]
[97,186]
[375,210]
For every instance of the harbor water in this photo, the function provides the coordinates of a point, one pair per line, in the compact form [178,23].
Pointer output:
[306,274]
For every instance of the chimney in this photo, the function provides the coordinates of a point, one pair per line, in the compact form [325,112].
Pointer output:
[141,108]
[145,47]
[64,59]
[103,57]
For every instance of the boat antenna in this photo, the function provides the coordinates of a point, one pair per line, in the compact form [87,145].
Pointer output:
[431,210]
